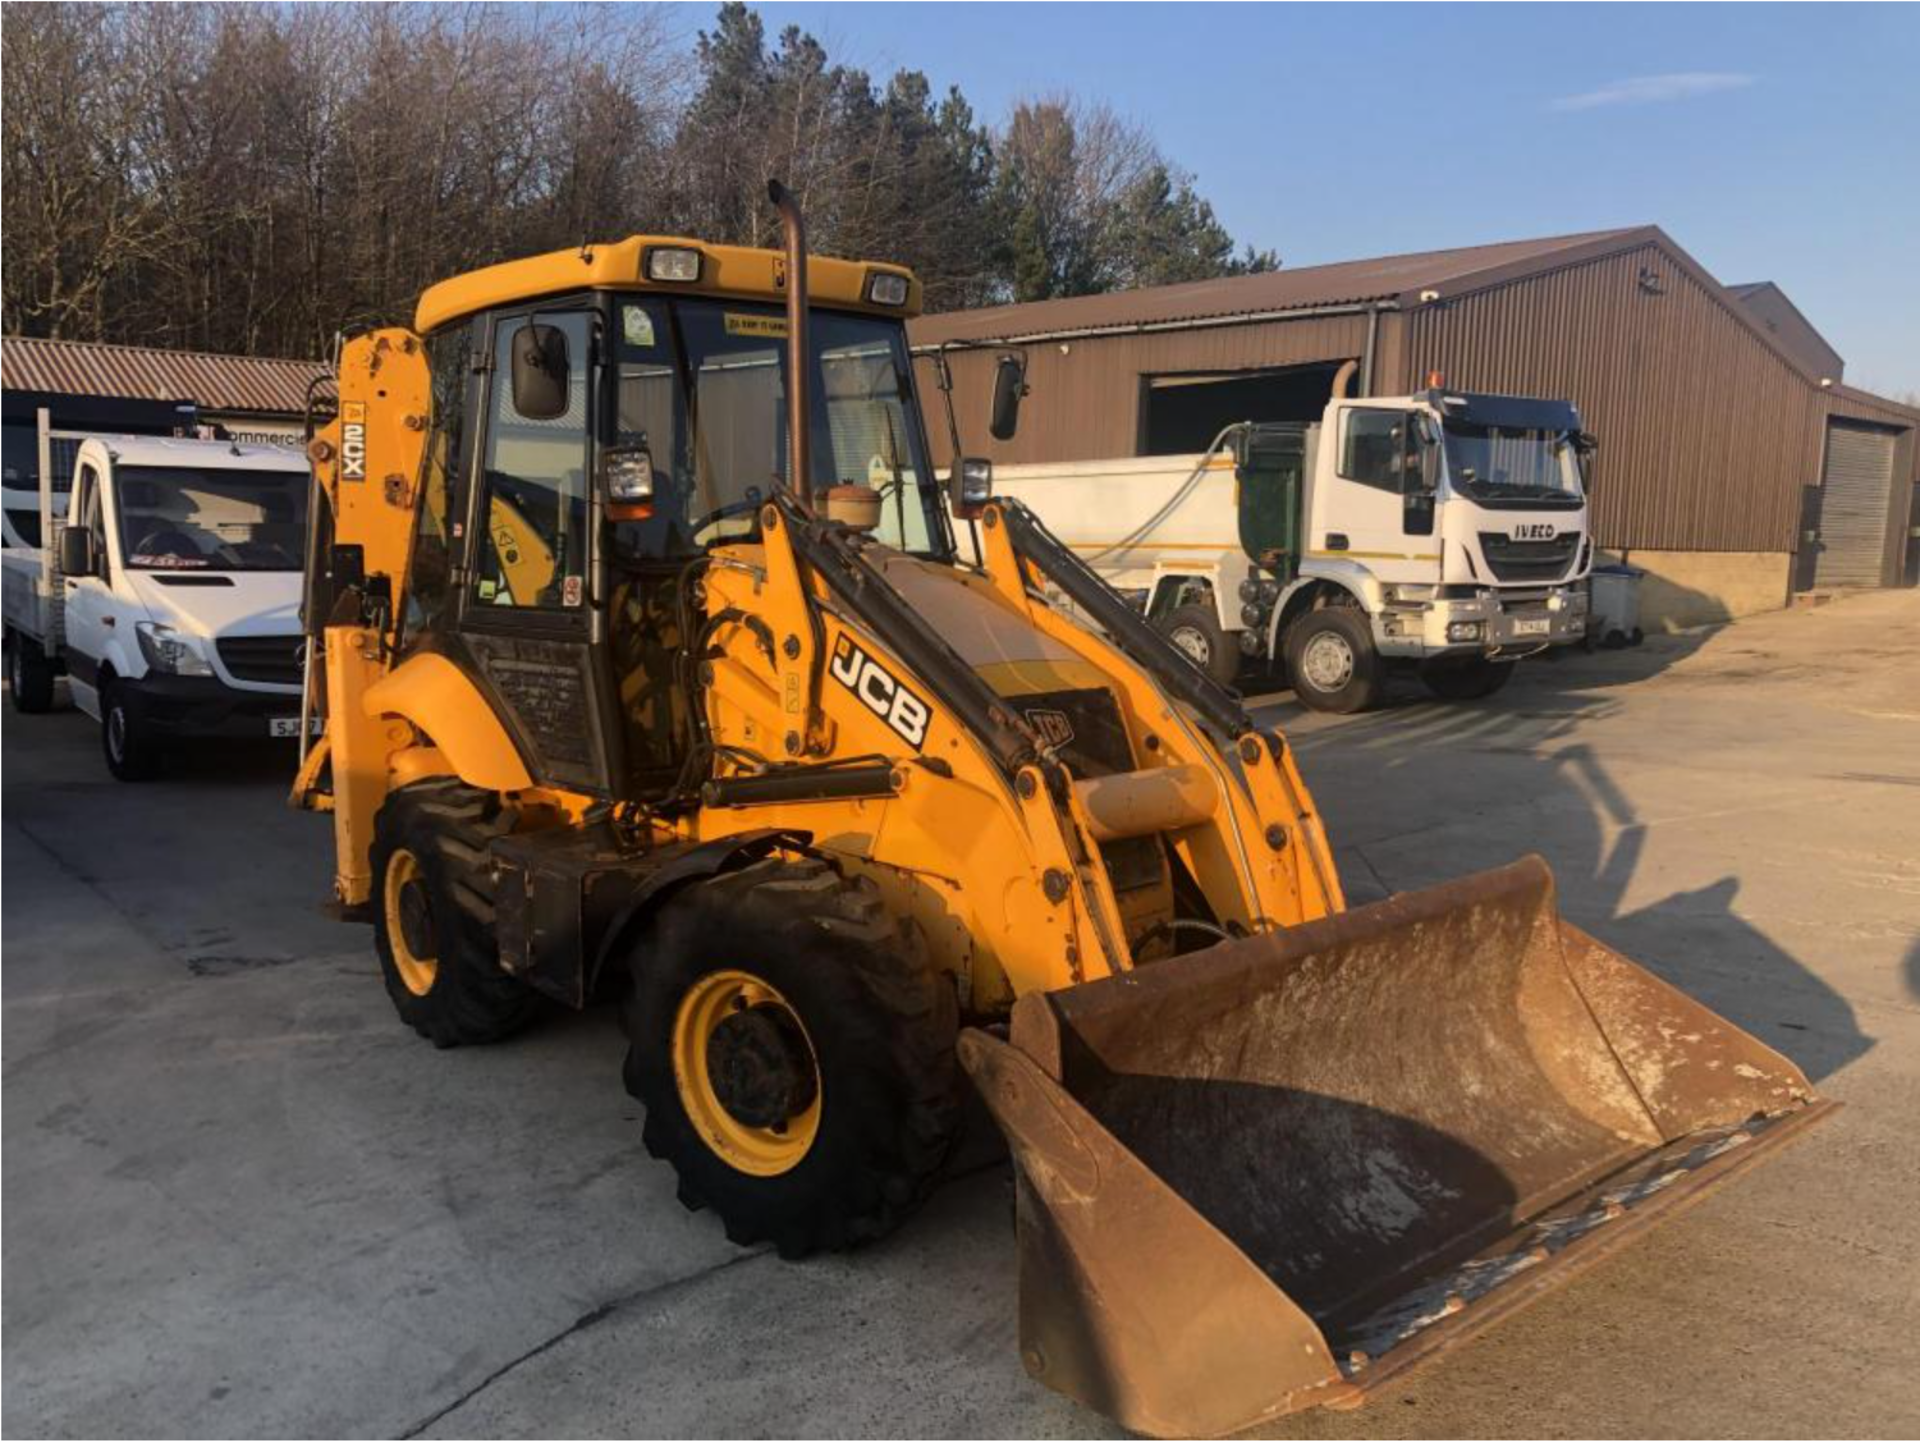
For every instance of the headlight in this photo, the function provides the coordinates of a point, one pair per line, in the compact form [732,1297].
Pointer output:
[886,288]
[170,651]
[673,263]
[1466,630]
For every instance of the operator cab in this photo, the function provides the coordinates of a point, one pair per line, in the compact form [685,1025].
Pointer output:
[591,449]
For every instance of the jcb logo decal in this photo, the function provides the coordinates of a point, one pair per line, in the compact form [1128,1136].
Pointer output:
[353,441]
[1533,531]
[883,694]
[1054,727]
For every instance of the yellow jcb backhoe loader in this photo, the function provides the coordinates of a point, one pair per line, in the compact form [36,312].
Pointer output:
[654,662]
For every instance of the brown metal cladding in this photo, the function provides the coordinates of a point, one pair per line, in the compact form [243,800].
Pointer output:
[213,382]
[1086,395]
[1707,431]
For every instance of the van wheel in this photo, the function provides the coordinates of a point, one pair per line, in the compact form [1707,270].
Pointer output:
[1331,662]
[794,1049]
[1468,680]
[433,915]
[1195,630]
[127,739]
[29,674]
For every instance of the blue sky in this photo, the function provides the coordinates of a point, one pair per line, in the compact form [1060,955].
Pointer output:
[1773,142]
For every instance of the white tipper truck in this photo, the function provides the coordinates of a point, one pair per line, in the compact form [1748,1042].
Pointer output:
[169,598]
[1447,531]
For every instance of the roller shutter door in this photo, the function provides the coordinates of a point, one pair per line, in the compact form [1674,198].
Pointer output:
[1853,512]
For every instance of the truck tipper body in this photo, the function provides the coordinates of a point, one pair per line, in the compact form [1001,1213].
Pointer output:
[1445,530]
[170,596]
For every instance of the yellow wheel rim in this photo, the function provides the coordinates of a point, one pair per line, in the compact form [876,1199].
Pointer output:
[416,971]
[757,1151]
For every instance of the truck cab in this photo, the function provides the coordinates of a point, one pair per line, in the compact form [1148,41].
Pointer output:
[1455,523]
[174,608]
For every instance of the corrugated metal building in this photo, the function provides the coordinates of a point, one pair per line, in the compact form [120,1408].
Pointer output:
[91,386]
[1715,414]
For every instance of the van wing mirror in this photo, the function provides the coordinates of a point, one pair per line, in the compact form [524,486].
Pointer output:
[76,552]
[1009,387]
[540,372]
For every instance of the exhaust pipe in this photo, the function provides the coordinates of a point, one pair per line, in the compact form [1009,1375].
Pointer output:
[799,412]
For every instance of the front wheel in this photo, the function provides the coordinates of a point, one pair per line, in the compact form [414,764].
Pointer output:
[794,1050]
[127,739]
[1196,631]
[1468,680]
[1331,662]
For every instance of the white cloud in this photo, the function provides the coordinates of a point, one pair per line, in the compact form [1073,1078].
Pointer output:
[1652,89]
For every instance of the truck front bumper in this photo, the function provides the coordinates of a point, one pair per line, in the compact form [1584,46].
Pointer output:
[1489,623]
[205,706]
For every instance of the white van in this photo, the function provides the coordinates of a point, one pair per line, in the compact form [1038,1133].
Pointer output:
[172,602]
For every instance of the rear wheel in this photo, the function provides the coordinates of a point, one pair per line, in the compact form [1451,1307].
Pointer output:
[434,918]
[1331,663]
[1468,680]
[29,674]
[127,739]
[1196,630]
[794,1050]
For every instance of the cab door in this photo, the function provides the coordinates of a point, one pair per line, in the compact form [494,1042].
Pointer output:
[531,625]
[88,600]
[1377,507]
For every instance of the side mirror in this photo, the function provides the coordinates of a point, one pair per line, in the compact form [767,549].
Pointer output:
[77,556]
[970,486]
[1009,386]
[540,372]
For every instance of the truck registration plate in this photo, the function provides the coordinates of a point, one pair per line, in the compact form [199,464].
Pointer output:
[289,726]
[1531,625]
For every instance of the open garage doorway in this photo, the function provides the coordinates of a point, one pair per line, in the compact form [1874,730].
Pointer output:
[1181,414]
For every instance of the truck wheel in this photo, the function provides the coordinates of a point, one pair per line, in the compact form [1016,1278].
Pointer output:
[126,737]
[1195,630]
[1331,663]
[433,915]
[1468,680]
[29,674]
[794,1049]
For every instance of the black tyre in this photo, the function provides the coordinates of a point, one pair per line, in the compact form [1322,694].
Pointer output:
[29,674]
[1465,680]
[1195,629]
[1331,663]
[127,739]
[794,1050]
[433,915]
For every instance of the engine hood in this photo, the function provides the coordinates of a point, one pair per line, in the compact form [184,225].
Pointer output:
[225,603]
[1008,653]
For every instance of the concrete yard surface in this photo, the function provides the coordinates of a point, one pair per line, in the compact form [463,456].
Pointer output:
[240,1199]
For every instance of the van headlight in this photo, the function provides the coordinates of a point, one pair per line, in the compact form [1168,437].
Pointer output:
[170,651]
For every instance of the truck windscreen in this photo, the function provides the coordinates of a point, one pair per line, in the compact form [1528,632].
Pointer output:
[179,518]
[1506,465]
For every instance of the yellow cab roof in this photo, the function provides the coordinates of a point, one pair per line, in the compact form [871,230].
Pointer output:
[732,271]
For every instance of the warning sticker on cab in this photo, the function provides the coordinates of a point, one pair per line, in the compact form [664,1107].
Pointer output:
[774,327]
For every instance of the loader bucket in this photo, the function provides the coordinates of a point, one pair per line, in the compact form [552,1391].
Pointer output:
[1276,1173]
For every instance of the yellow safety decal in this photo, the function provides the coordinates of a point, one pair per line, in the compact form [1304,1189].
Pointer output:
[774,327]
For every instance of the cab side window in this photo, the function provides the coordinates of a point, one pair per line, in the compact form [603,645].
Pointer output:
[532,549]
[1378,449]
[448,363]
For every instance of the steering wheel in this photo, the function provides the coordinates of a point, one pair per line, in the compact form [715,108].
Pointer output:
[165,541]
[742,507]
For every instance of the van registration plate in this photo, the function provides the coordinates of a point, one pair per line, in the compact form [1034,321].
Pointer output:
[289,726]
[1531,625]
